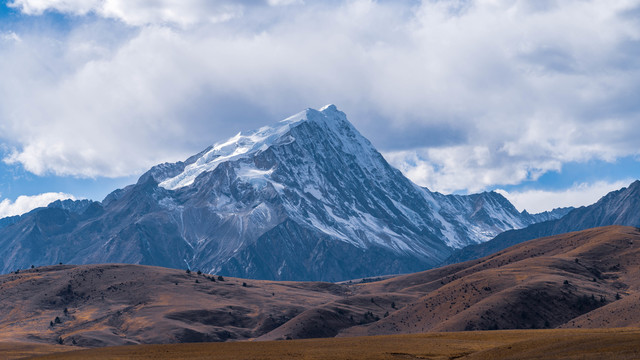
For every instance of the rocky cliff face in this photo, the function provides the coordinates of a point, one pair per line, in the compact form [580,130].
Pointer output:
[306,199]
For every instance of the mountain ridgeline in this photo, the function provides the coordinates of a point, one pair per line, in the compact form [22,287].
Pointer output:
[620,207]
[308,198]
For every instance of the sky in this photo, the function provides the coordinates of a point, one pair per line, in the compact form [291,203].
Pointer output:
[535,99]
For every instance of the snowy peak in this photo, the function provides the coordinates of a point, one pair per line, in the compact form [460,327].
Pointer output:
[243,146]
[329,177]
[239,146]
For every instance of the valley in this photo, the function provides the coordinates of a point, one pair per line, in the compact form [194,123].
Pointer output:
[580,280]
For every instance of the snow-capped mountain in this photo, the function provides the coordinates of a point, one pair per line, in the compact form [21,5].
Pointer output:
[308,198]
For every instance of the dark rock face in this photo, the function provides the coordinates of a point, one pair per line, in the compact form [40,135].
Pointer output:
[307,199]
[621,207]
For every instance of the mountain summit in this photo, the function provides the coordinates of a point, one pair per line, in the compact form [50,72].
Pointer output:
[308,198]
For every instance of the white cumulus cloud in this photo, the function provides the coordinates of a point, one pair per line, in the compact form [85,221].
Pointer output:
[24,204]
[583,194]
[461,95]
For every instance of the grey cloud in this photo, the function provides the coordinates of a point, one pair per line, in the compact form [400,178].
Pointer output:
[551,60]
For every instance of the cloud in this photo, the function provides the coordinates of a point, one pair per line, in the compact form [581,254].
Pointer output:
[10,37]
[470,168]
[24,204]
[284,2]
[180,13]
[460,95]
[535,201]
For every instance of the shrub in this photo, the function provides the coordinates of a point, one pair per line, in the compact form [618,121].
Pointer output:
[199,272]
[220,278]
[188,271]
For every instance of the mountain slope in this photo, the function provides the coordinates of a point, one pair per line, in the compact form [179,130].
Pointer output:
[9,220]
[620,207]
[580,279]
[308,198]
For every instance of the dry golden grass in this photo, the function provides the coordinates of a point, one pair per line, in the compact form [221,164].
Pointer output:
[18,350]
[622,343]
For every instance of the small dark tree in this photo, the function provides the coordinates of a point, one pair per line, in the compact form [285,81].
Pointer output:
[51,323]
[199,272]
[188,271]
[197,281]
[32,266]
[244,284]
[60,341]
[57,320]
[65,311]
[220,278]
[393,304]
[618,297]
[566,282]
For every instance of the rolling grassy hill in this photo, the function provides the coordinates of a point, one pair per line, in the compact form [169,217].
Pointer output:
[586,279]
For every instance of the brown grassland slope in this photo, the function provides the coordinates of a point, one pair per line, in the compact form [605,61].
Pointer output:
[587,279]
[596,344]
[19,350]
[583,279]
